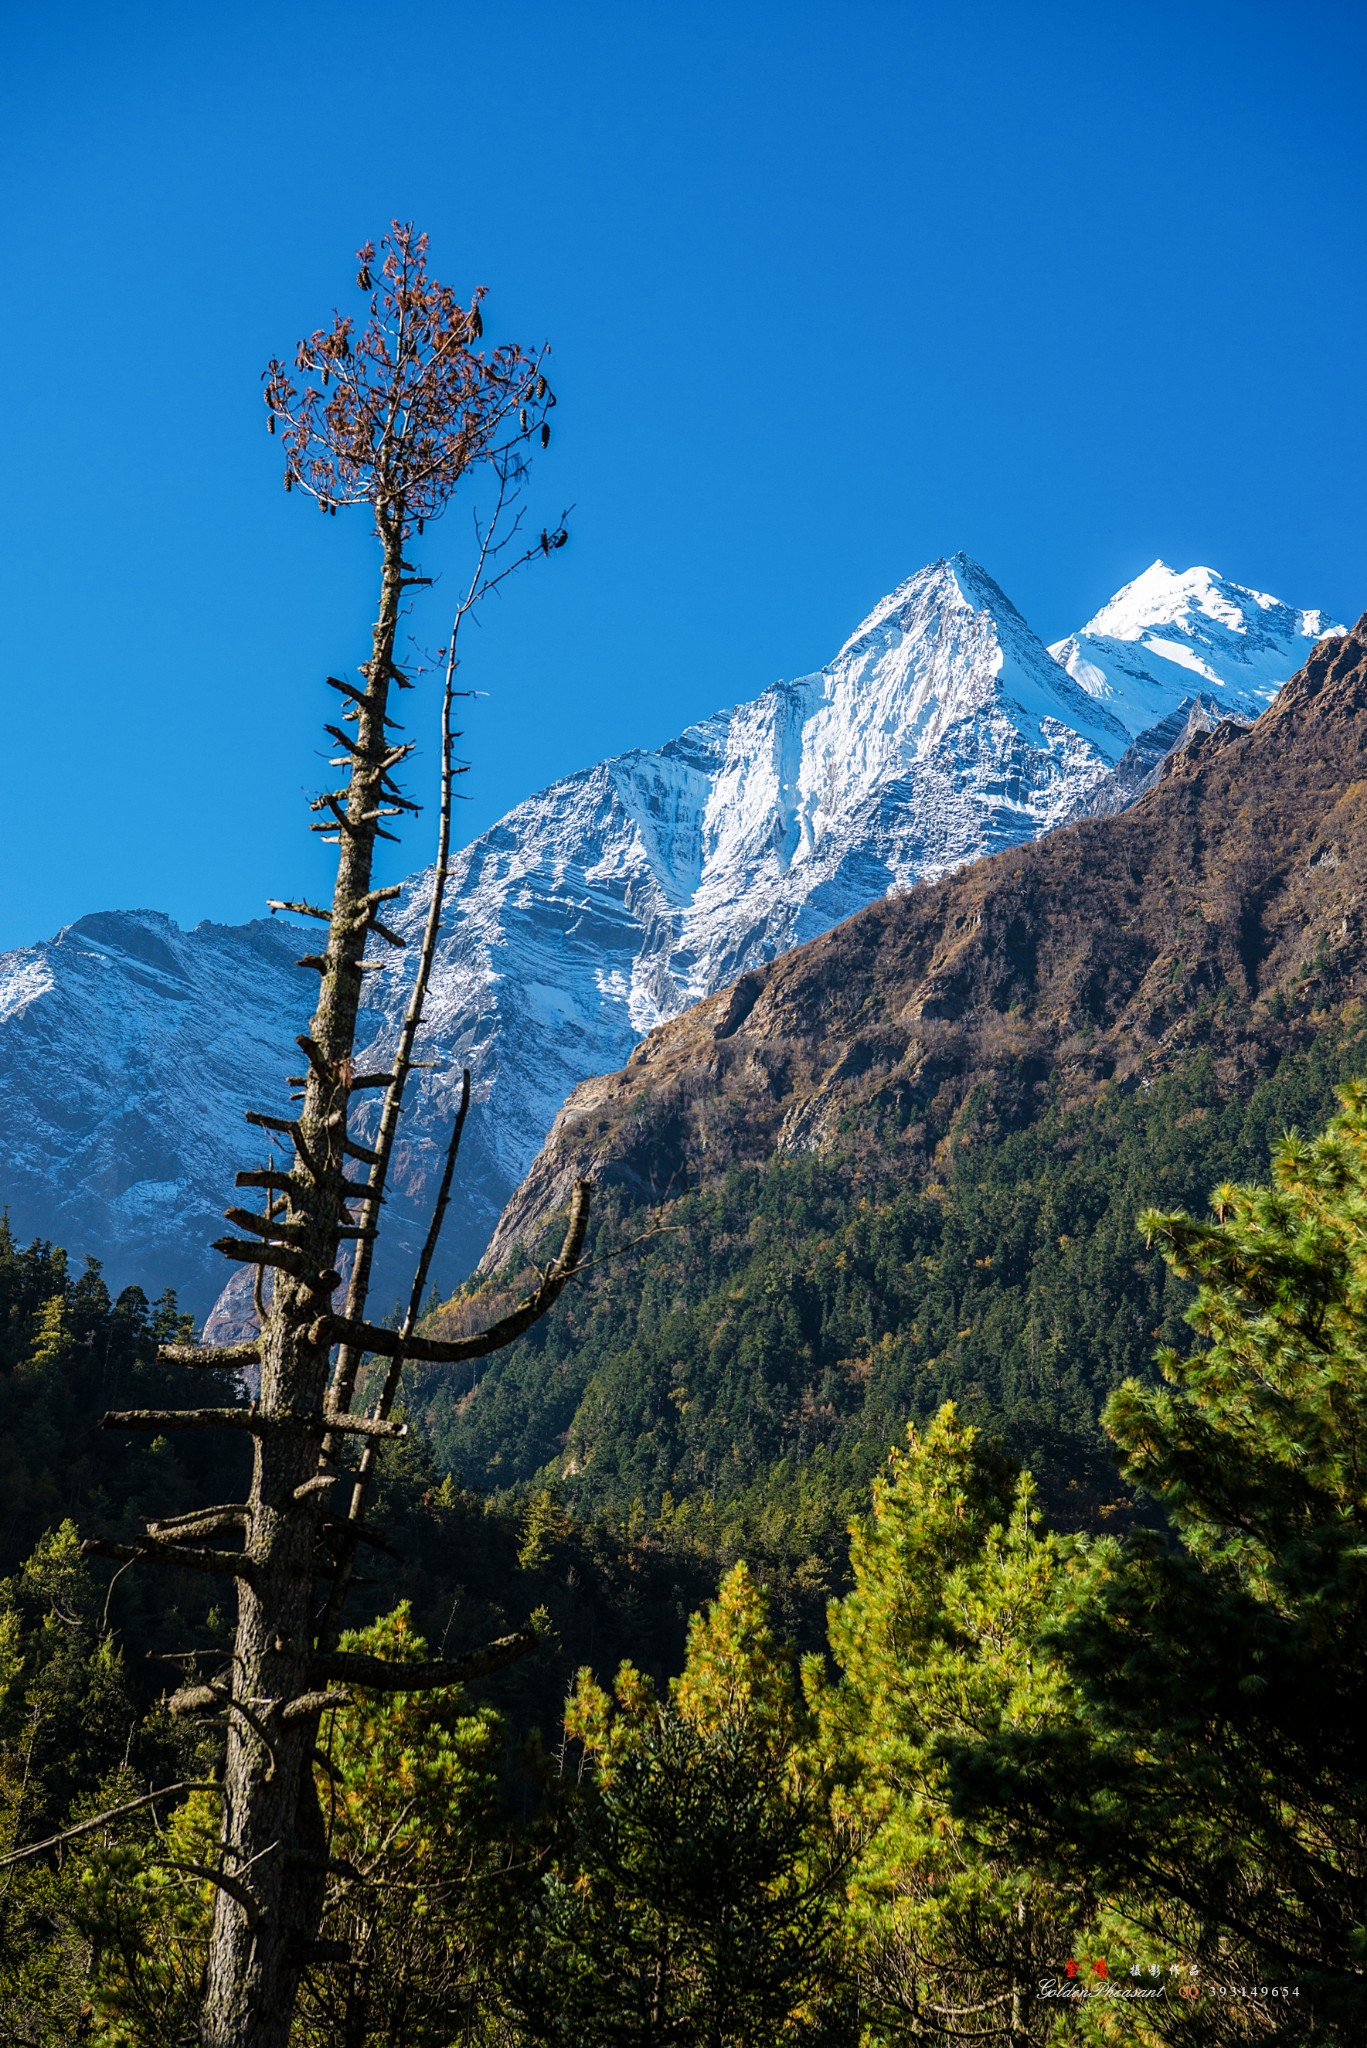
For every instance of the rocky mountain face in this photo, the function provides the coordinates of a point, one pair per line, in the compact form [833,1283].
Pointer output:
[1141,765]
[942,731]
[128,1052]
[1225,912]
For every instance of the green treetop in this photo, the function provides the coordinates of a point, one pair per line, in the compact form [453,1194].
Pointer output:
[1217,1783]
[954,1582]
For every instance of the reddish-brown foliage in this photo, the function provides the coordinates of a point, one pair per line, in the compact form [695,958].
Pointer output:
[401,410]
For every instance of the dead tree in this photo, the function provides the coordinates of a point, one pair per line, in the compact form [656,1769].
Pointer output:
[392,418]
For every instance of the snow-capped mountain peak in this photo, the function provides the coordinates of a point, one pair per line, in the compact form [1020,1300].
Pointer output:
[948,641]
[1163,596]
[943,729]
[1175,633]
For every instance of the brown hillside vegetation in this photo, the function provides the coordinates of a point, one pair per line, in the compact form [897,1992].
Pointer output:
[1225,910]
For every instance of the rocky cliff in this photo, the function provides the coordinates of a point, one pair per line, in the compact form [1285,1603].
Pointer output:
[1226,911]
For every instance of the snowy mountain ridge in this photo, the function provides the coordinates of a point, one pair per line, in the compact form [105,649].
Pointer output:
[942,730]
[1192,630]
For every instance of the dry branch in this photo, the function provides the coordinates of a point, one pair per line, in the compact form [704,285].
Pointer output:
[148,1550]
[99,1820]
[201,1522]
[310,1703]
[195,1699]
[209,1354]
[233,1886]
[183,1418]
[248,1418]
[365,1337]
[377,1674]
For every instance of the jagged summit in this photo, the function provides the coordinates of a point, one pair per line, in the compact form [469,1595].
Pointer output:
[950,574]
[1174,632]
[1222,915]
[951,584]
[943,729]
[1161,595]
[948,644]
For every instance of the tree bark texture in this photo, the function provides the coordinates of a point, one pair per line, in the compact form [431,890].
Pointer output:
[273,1841]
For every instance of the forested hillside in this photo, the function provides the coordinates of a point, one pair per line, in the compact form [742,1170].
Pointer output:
[958,1814]
[904,1164]
[742,1374]
[67,1353]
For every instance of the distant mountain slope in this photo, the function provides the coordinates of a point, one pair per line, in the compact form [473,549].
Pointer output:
[128,1051]
[1209,915]
[903,1163]
[743,1369]
[613,899]
[941,731]
[1142,763]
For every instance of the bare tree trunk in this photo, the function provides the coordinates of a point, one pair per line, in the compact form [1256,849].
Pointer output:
[413,401]
[273,1846]
[272,1830]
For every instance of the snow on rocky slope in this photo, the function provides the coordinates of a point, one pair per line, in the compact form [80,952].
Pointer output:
[1188,633]
[941,731]
[128,1051]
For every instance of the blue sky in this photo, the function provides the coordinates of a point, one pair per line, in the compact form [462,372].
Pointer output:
[831,290]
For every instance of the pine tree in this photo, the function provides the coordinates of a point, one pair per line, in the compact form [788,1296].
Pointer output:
[693,1907]
[414,1897]
[1217,1783]
[412,1785]
[67,1725]
[954,1583]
